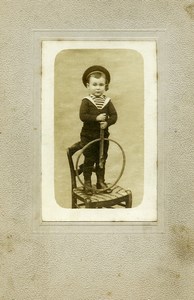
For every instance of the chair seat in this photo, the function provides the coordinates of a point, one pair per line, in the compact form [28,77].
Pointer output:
[118,196]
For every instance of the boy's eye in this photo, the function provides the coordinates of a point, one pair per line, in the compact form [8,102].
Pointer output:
[100,84]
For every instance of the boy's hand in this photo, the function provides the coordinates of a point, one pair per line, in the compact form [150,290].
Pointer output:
[103,125]
[101,117]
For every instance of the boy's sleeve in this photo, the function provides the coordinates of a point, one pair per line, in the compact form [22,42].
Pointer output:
[112,115]
[84,112]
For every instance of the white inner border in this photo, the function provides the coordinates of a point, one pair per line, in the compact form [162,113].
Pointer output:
[147,210]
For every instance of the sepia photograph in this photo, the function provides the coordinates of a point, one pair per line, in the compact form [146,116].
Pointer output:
[99,130]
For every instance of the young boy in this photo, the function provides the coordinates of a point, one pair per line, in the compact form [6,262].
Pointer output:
[96,112]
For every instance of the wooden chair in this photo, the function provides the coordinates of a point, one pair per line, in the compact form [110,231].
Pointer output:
[119,197]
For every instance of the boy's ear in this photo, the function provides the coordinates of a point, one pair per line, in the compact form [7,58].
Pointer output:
[87,84]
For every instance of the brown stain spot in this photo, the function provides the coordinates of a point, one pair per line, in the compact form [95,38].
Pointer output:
[109,294]
[171,274]
[157,76]
[35,128]
[119,275]
[183,242]
[190,10]
[7,244]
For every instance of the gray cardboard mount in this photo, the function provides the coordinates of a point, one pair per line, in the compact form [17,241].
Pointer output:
[96,261]
[45,204]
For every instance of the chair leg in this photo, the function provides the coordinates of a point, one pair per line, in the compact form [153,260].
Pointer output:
[127,203]
[74,201]
[88,202]
[129,200]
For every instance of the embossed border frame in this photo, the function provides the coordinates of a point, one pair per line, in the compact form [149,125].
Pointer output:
[157,35]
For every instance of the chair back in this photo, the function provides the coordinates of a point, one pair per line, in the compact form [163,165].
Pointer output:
[70,152]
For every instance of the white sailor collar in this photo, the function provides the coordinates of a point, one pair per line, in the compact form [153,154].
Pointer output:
[92,97]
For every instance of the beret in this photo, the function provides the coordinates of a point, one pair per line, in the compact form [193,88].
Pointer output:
[95,69]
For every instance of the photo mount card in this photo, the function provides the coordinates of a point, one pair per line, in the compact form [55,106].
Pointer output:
[135,90]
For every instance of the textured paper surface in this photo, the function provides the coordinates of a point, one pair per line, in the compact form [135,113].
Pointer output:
[88,266]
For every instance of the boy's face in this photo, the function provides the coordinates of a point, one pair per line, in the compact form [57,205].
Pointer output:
[96,86]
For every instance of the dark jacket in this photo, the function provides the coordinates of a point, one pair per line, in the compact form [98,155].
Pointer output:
[88,114]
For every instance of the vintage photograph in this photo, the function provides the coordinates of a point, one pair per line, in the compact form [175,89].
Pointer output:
[99,129]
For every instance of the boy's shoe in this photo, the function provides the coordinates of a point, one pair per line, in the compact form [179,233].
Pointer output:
[103,185]
[88,188]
